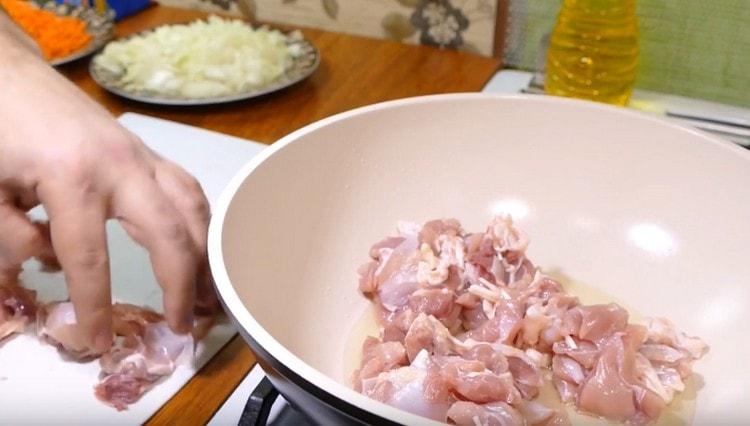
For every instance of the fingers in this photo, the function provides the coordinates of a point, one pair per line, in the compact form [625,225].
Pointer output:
[77,228]
[20,239]
[153,221]
[188,198]
[47,256]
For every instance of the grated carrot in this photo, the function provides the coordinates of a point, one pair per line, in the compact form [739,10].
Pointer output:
[57,36]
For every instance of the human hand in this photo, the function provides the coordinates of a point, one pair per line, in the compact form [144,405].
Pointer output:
[60,149]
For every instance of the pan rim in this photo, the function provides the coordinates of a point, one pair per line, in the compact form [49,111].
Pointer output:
[245,321]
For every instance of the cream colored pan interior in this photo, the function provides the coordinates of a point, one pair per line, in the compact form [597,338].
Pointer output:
[653,215]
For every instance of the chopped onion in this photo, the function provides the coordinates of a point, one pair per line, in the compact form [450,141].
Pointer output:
[202,59]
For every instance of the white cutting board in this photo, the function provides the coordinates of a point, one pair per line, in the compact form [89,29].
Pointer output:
[36,385]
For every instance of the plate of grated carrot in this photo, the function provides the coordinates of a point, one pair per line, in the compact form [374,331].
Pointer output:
[63,32]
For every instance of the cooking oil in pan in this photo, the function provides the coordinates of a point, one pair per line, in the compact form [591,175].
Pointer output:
[366,325]
[679,412]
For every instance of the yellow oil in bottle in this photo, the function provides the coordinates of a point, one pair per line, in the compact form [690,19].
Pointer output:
[593,51]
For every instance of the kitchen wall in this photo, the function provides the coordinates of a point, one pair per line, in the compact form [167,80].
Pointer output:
[697,48]
[461,24]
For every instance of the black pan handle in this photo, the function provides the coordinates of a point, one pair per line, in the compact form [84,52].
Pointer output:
[259,404]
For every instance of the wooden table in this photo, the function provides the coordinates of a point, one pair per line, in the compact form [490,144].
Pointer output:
[355,71]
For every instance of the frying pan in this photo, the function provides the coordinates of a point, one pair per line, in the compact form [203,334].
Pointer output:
[653,215]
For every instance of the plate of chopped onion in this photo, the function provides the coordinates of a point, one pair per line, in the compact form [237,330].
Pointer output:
[203,62]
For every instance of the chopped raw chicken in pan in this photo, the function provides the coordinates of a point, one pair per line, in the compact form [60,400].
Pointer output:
[472,330]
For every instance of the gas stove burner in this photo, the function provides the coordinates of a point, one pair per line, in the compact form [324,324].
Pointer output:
[265,407]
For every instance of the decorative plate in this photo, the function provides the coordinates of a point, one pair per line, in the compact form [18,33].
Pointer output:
[99,26]
[303,65]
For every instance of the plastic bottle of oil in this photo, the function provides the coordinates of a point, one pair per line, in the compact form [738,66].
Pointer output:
[593,51]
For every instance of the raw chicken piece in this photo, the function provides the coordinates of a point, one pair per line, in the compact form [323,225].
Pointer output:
[136,362]
[469,301]
[367,282]
[566,368]
[404,388]
[671,382]
[465,413]
[130,319]
[567,391]
[56,325]
[663,331]
[492,359]
[17,309]
[614,389]
[652,381]
[439,252]
[523,366]
[396,276]
[378,357]
[427,333]
[498,254]
[545,290]
[670,355]
[506,322]
[480,256]
[534,322]
[535,413]
[662,354]
[505,237]
[510,244]
[606,392]
[563,319]
[600,321]
[474,317]
[144,351]
[583,352]
[526,376]
[383,248]
[432,231]
[380,252]
[435,302]
[668,348]
[471,380]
